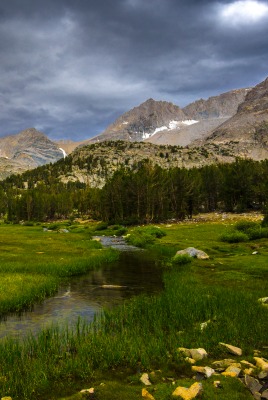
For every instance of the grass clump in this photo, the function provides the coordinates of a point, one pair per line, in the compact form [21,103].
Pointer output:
[245,230]
[102,226]
[181,259]
[145,236]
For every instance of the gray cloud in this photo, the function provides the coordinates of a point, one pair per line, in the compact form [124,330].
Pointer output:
[69,68]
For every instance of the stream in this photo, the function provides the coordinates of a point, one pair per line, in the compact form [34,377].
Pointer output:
[134,273]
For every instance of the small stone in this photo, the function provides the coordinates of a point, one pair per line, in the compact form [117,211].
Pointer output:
[257,352]
[254,252]
[223,363]
[198,354]
[249,371]
[145,379]
[206,371]
[188,393]
[146,395]
[217,384]
[261,363]
[263,375]
[248,364]
[264,394]
[230,374]
[233,370]
[204,325]
[252,384]
[6,398]
[232,349]
[87,393]
[190,360]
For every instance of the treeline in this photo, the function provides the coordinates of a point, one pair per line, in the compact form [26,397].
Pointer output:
[147,194]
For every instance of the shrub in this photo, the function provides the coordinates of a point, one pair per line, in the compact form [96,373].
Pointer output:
[121,231]
[28,223]
[244,225]
[55,227]
[254,233]
[140,239]
[234,237]
[154,231]
[101,226]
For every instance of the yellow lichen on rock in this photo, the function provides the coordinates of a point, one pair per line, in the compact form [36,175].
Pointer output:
[146,395]
[188,393]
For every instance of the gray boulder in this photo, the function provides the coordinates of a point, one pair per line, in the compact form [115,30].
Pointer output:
[192,252]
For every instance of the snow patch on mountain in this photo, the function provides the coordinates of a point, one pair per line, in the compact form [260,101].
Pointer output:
[190,122]
[172,125]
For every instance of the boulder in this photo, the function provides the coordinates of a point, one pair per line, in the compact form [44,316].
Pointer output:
[206,371]
[198,354]
[223,363]
[188,393]
[192,252]
[232,371]
[232,349]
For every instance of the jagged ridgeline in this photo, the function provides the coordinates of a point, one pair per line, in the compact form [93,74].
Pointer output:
[134,182]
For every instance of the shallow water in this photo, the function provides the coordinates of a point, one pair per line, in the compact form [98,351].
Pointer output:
[135,272]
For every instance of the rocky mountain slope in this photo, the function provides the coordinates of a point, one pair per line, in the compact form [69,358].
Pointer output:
[95,163]
[161,122]
[26,150]
[246,133]
[205,115]
[142,122]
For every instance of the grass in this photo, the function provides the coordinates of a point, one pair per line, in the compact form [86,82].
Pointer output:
[144,333]
[32,261]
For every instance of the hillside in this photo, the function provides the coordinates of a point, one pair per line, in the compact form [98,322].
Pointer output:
[95,163]
[245,134]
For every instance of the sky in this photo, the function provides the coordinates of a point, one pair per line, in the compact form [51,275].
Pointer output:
[69,68]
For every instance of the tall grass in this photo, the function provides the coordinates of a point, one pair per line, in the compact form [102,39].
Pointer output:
[144,332]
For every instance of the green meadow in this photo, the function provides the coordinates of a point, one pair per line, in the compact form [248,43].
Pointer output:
[33,261]
[144,333]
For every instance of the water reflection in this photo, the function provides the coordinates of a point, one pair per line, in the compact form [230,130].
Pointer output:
[84,296]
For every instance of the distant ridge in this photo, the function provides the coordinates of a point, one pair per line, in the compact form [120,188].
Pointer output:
[26,150]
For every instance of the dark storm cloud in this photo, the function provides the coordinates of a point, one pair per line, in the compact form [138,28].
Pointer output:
[69,68]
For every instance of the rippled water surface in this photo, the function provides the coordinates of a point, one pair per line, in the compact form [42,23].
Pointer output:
[135,272]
